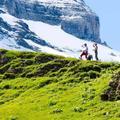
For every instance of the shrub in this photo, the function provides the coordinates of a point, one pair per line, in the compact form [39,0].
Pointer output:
[46,82]
[9,76]
[27,62]
[93,74]
[96,68]
[79,109]
[4,68]
[2,51]
[84,74]
[50,67]
[2,102]
[57,111]
[52,103]
[26,55]
[7,87]
[86,68]
[71,80]
[16,70]
[4,60]
[13,118]
[105,65]
[29,75]
[44,58]
[113,92]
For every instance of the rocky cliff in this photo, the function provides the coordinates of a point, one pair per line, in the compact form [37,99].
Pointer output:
[74,16]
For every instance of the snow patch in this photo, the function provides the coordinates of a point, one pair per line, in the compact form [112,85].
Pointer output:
[69,45]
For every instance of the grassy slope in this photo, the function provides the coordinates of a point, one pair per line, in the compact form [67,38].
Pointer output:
[36,86]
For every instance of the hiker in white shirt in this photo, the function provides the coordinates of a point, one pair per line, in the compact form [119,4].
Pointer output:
[84,51]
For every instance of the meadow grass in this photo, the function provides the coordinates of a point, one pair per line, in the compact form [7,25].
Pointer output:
[38,86]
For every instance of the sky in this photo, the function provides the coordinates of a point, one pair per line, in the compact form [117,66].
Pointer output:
[108,12]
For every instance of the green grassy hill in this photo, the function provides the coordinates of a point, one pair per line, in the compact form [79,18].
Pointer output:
[37,86]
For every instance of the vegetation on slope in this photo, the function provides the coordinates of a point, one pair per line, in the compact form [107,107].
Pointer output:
[38,86]
[113,92]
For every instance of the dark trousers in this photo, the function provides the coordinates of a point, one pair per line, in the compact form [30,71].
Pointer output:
[96,55]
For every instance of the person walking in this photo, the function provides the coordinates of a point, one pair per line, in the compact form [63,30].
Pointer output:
[84,51]
[95,46]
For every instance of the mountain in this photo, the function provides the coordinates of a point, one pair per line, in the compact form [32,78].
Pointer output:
[52,26]
[73,15]
[36,86]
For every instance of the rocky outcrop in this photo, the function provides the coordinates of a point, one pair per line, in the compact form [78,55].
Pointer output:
[74,16]
[113,92]
[20,33]
[2,2]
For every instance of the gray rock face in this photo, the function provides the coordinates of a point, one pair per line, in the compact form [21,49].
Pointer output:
[74,16]
[2,2]
[20,33]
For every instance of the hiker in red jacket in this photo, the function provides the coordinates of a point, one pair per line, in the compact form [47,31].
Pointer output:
[84,51]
